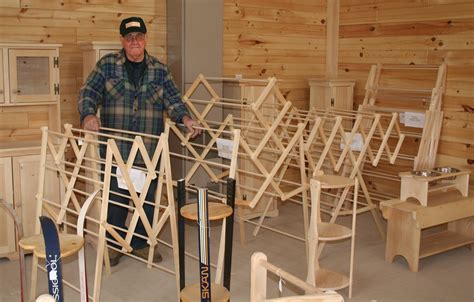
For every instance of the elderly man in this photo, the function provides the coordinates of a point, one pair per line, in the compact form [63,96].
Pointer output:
[132,88]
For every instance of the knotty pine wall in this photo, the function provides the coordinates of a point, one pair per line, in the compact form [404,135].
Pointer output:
[69,22]
[286,39]
[281,38]
[417,32]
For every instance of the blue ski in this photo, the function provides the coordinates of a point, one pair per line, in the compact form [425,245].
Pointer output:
[53,258]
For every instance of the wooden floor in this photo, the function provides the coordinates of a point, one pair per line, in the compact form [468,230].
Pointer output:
[444,277]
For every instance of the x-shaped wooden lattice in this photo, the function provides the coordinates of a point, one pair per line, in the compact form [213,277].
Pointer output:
[161,154]
[50,138]
[274,134]
[56,143]
[201,159]
[325,141]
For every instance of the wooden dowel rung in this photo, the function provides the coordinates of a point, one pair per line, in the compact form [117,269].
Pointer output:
[387,88]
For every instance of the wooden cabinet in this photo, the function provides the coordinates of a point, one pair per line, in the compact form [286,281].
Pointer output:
[93,51]
[31,75]
[7,231]
[29,90]
[331,94]
[25,177]
[29,100]
[19,185]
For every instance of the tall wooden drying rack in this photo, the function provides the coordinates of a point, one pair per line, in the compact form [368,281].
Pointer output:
[280,126]
[73,170]
[401,89]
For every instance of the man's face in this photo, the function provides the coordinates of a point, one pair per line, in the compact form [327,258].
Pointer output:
[134,45]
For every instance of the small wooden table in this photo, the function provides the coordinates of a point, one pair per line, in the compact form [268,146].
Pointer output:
[407,219]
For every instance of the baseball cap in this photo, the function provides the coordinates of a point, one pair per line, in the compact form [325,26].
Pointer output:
[131,25]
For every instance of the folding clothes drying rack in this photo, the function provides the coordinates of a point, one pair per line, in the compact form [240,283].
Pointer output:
[80,171]
[409,90]
[290,138]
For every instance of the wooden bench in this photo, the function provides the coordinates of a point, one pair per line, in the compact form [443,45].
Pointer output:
[407,220]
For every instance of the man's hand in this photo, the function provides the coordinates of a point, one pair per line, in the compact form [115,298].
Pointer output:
[190,125]
[91,122]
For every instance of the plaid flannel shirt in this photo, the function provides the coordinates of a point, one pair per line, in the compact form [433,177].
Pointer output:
[127,108]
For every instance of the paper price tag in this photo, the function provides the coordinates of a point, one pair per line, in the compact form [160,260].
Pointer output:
[402,117]
[137,177]
[414,119]
[224,148]
[357,141]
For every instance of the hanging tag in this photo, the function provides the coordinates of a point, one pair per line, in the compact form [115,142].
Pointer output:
[280,286]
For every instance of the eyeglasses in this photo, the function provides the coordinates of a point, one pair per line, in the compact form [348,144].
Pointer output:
[139,37]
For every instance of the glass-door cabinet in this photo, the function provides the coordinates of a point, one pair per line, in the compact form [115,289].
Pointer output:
[32,75]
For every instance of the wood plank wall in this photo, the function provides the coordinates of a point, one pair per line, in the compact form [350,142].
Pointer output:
[69,22]
[281,38]
[286,39]
[417,32]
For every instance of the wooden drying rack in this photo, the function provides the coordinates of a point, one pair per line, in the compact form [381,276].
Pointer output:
[384,94]
[284,135]
[85,169]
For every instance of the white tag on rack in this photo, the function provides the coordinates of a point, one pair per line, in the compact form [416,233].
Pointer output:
[224,147]
[280,285]
[357,141]
[414,119]
[136,176]
[401,115]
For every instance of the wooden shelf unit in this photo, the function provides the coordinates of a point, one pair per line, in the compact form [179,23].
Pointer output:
[29,99]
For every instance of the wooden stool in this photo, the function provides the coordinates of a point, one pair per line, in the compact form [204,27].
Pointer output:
[216,211]
[324,232]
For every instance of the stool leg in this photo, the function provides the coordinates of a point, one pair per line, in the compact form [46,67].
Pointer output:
[34,277]
[83,275]
[24,285]
[354,217]
[313,237]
